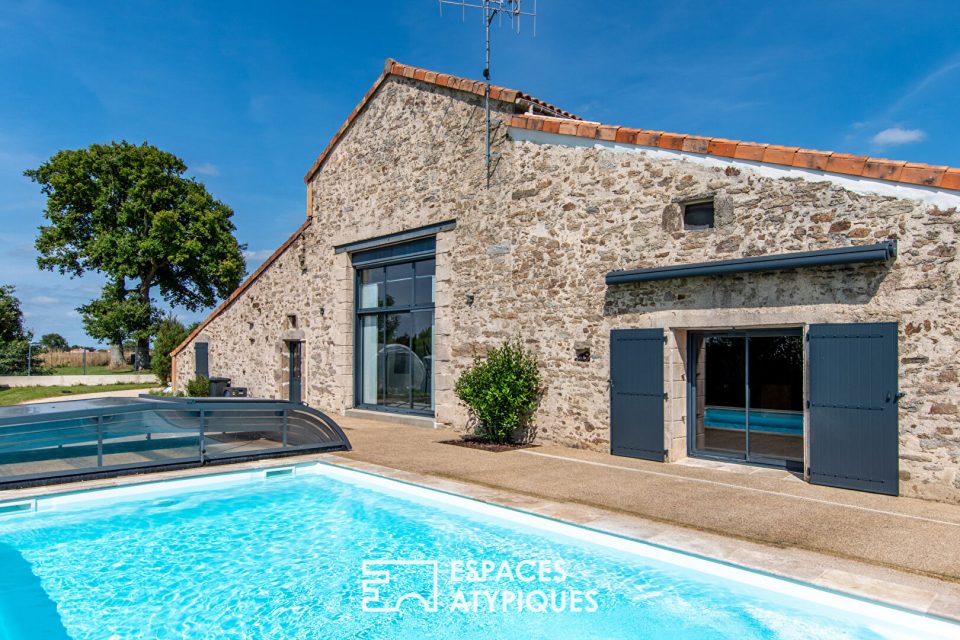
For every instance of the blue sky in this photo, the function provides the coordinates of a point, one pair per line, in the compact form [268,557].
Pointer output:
[249,93]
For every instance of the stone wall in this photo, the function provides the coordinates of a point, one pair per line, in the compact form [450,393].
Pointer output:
[528,258]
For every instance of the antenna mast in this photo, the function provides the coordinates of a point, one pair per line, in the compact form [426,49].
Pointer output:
[491,9]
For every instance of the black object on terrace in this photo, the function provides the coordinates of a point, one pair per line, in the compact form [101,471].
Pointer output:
[880,252]
[53,442]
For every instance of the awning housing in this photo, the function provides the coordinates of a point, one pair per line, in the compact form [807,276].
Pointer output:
[880,252]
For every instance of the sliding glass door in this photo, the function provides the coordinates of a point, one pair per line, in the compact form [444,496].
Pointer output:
[747,401]
[395,316]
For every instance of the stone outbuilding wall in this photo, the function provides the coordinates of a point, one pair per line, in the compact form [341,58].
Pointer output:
[528,257]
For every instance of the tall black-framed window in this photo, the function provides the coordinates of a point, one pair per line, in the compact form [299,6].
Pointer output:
[395,287]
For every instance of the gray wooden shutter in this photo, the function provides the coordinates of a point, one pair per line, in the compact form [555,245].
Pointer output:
[201,360]
[854,426]
[636,393]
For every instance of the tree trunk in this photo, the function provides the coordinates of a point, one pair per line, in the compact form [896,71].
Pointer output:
[143,353]
[143,343]
[116,356]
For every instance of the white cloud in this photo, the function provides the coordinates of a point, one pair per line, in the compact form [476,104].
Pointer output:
[207,169]
[44,300]
[898,135]
[258,255]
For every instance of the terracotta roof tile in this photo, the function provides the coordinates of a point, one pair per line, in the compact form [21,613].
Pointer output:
[587,130]
[775,154]
[749,151]
[696,144]
[671,141]
[509,95]
[648,138]
[551,126]
[950,179]
[846,163]
[722,147]
[605,132]
[626,135]
[883,169]
[922,174]
[811,159]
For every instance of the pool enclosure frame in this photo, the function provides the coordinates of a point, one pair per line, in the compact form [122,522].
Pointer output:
[214,430]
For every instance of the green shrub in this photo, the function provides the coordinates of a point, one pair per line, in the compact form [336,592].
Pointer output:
[502,392]
[199,387]
[170,332]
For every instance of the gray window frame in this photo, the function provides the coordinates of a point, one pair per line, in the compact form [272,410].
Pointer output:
[691,366]
[410,252]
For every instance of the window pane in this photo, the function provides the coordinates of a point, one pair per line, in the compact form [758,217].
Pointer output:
[721,417]
[399,285]
[422,363]
[397,358]
[776,397]
[370,327]
[425,283]
[698,216]
[371,288]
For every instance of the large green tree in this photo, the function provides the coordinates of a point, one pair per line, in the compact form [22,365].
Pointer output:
[128,212]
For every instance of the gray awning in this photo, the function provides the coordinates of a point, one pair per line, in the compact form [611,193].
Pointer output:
[880,252]
[395,238]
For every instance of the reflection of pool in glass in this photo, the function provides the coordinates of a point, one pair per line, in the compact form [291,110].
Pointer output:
[769,421]
[235,555]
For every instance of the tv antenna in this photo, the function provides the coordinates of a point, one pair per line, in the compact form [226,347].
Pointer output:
[512,10]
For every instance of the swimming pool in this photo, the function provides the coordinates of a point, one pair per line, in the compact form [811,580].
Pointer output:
[317,551]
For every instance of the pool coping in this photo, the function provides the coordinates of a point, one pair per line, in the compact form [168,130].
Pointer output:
[891,587]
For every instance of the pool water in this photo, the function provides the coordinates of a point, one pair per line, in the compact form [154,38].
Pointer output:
[284,558]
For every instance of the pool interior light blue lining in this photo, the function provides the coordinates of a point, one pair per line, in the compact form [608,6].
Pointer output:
[778,422]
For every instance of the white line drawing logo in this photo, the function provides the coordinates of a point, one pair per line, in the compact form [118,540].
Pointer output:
[392,582]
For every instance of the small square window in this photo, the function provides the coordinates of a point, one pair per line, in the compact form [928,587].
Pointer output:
[698,215]
[291,321]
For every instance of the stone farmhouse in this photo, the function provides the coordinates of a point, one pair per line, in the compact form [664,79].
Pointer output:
[685,296]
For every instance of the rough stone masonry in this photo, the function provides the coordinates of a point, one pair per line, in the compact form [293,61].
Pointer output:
[528,257]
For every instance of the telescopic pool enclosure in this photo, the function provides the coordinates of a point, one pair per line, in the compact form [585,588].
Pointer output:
[82,439]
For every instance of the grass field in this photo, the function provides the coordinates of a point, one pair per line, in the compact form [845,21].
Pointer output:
[102,370]
[17,395]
